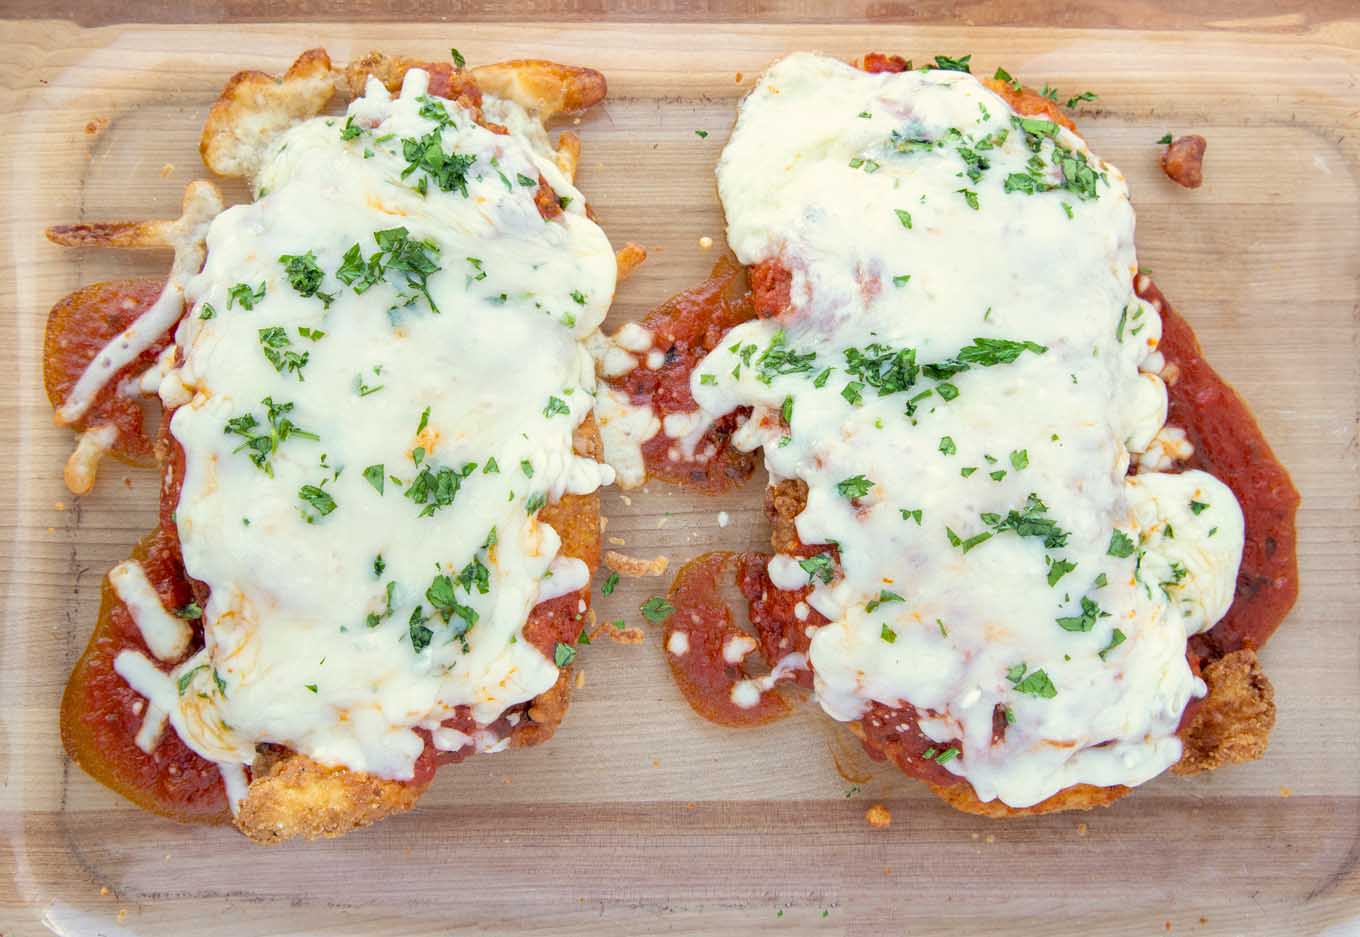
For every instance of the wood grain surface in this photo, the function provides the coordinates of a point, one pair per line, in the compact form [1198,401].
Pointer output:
[638,818]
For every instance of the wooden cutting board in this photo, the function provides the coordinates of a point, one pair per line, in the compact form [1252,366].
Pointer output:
[639,818]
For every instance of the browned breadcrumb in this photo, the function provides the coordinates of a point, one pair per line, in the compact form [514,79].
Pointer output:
[1183,161]
[635,567]
[1234,721]
[617,541]
[878,816]
[1285,791]
[255,107]
[580,679]
[96,125]
[629,258]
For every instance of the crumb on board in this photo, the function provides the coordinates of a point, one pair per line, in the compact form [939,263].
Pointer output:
[1285,791]
[990,839]
[662,521]
[96,125]
[878,816]
[619,634]
[1081,829]
[122,915]
[59,505]
[738,77]
[656,762]
[627,501]
[617,541]
[705,242]
[580,679]
[724,518]
[167,170]
[635,567]
[103,890]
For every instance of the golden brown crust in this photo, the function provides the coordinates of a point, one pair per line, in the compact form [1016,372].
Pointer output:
[541,87]
[784,501]
[1234,721]
[544,714]
[629,258]
[293,795]
[254,108]
[1079,797]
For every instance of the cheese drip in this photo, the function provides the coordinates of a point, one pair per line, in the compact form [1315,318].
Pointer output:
[366,448]
[968,447]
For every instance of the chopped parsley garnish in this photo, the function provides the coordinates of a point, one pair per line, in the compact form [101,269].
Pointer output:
[305,276]
[1079,98]
[207,312]
[946,390]
[856,486]
[1120,544]
[888,635]
[1020,459]
[187,678]
[902,279]
[960,64]
[447,170]
[1197,507]
[909,514]
[1030,521]
[707,379]
[563,654]
[375,476]
[1034,684]
[610,583]
[351,130]
[779,359]
[984,353]
[1058,569]
[820,567]
[946,756]
[243,294]
[1166,138]
[555,406]
[884,597]
[458,59]
[947,445]
[420,634]
[968,470]
[318,498]
[904,217]
[396,253]
[379,564]
[275,344]
[966,545]
[491,467]
[1003,75]
[1090,611]
[262,445]
[970,197]
[535,502]
[437,489]
[189,612]
[1116,638]
[444,602]
[701,134]
[851,392]
[888,370]
[527,468]
[656,609]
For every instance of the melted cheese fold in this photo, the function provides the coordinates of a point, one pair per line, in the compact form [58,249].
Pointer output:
[323,631]
[853,182]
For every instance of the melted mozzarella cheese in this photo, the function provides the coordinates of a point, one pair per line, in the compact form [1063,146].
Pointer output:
[373,553]
[166,635]
[996,556]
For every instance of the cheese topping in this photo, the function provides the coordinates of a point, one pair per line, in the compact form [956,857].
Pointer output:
[384,368]
[957,380]
[166,635]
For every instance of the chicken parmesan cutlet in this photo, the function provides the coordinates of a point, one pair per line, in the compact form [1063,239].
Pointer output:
[1010,502]
[379,515]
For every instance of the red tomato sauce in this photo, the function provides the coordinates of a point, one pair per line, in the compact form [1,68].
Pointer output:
[78,328]
[1229,445]
[684,329]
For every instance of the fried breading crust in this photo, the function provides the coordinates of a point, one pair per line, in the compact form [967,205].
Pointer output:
[254,108]
[1230,725]
[544,88]
[1234,721]
[293,795]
